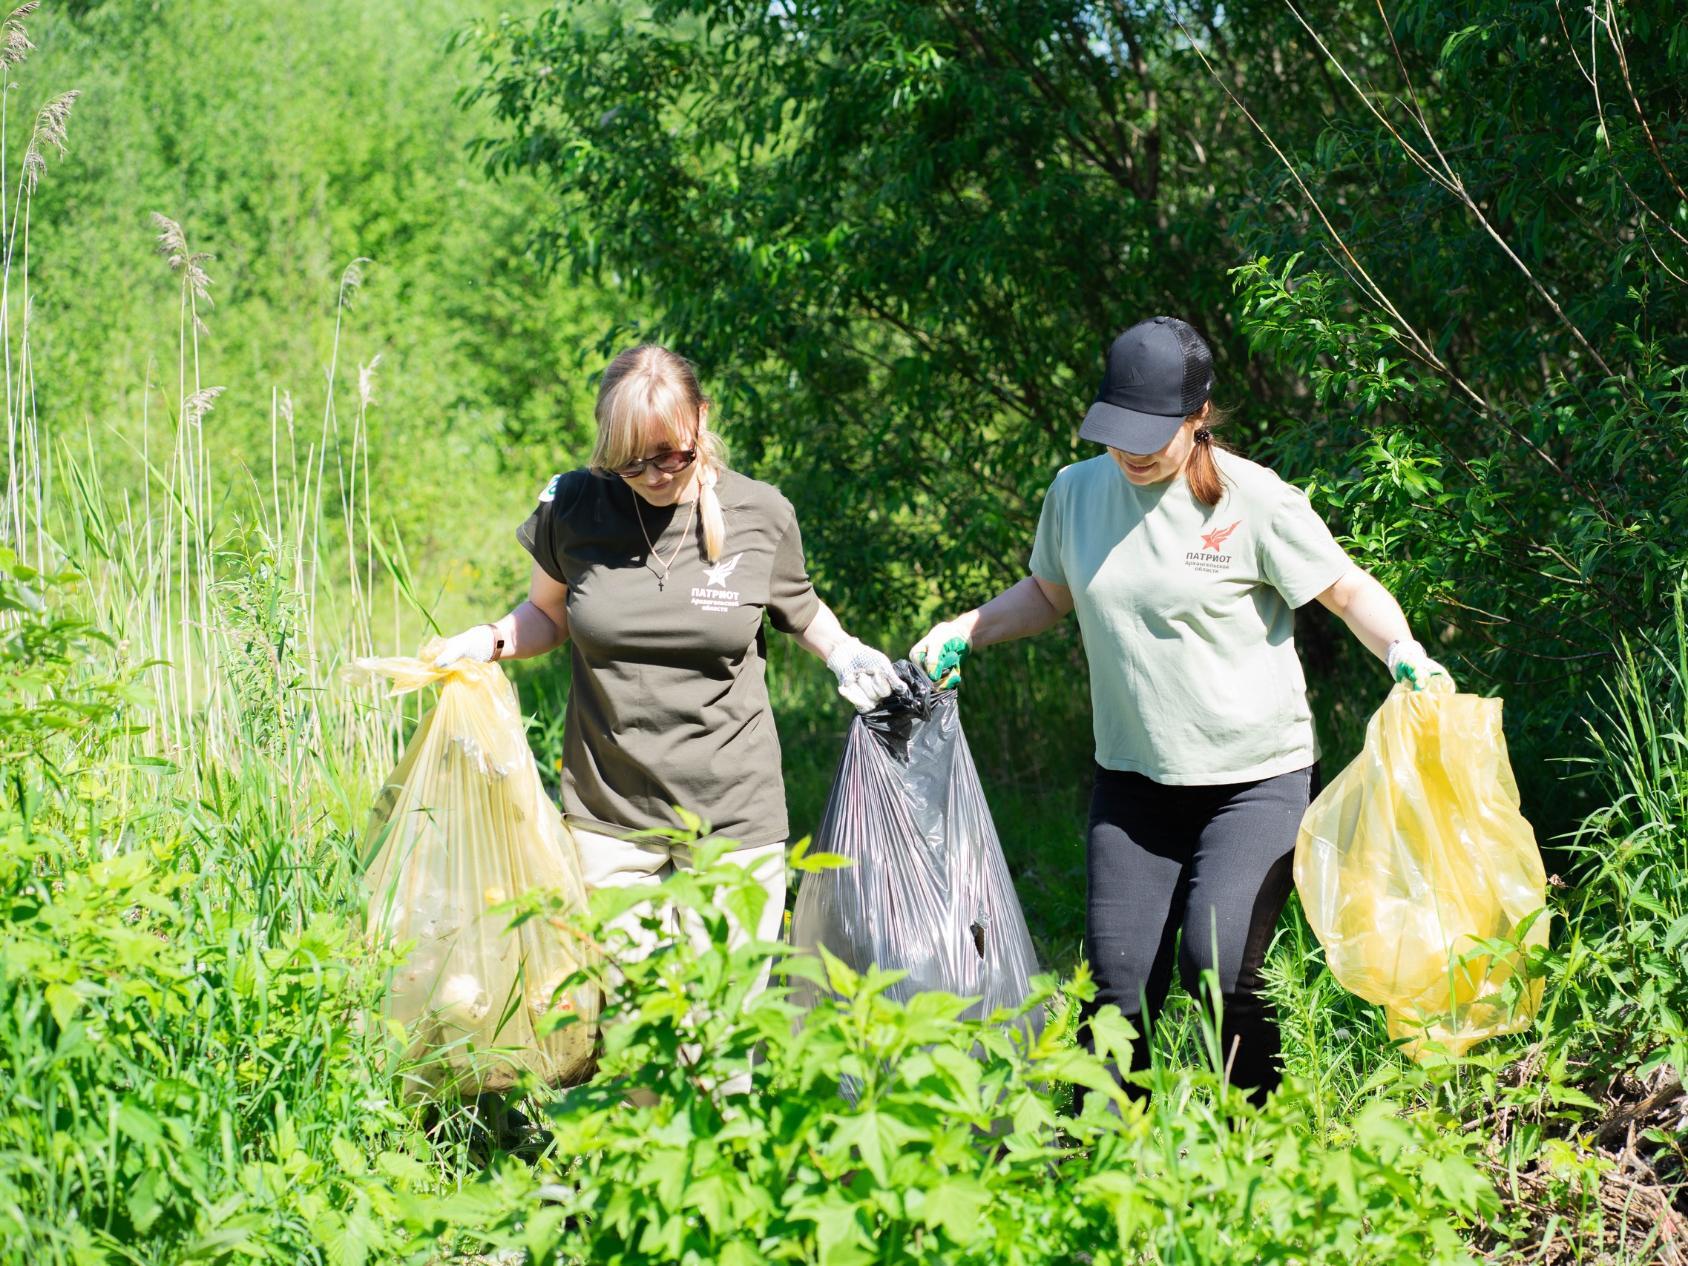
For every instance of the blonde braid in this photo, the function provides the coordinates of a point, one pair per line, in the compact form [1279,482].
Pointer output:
[712,460]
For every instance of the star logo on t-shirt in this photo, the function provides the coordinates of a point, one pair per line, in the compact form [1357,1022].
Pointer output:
[1214,541]
[716,576]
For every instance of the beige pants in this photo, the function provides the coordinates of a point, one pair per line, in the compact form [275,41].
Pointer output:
[608,862]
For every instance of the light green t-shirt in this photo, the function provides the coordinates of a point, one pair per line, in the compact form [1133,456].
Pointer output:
[1187,615]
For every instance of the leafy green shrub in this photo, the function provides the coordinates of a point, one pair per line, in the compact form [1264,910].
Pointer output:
[879,1132]
[184,1074]
[1492,333]
[52,711]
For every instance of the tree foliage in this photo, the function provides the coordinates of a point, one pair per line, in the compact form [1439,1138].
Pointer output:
[1491,317]
[289,141]
[1440,249]
[896,235]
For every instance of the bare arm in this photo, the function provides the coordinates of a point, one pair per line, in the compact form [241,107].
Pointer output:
[1029,607]
[1022,610]
[823,633]
[541,623]
[1369,610]
[865,676]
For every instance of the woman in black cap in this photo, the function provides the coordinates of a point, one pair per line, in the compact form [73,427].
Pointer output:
[1185,563]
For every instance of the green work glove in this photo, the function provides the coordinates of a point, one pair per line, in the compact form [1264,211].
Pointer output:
[1408,662]
[941,651]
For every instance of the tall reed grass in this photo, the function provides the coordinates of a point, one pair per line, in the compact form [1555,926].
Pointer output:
[188,1067]
[185,1048]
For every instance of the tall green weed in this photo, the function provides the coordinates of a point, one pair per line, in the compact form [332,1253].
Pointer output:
[177,1053]
[1627,959]
[888,1133]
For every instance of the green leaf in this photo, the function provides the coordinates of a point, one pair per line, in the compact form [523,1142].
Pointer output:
[64,1002]
[956,1205]
[146,1201]
[841,1231]
[139,1125]
[874,1135]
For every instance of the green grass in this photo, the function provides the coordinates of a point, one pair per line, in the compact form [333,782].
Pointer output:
[190,1070]
[288,141]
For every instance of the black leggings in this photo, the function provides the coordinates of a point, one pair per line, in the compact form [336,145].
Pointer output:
[1213,863]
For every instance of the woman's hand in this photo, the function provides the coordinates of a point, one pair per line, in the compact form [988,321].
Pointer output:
[941,651]
[1022,610]
[1408,662]
[1372,615]
[865,676]
[479,643]
[538,625]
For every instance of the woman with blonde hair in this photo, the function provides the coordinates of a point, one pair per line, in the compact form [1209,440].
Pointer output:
[1185,563]
[657,564]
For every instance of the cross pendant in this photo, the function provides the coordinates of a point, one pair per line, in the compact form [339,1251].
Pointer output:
[660,582]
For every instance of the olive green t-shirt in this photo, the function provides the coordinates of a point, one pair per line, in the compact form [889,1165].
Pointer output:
[1187,615]
[669,700]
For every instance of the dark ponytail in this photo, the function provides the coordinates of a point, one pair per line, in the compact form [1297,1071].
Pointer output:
[1207,485]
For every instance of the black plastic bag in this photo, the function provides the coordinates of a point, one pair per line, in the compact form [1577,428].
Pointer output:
[928,891]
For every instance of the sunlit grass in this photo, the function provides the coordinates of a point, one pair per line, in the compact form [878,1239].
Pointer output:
[190,1064]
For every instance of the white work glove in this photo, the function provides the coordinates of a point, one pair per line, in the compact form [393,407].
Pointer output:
[1408,662]
[865,676]
[929,653]
[478,643]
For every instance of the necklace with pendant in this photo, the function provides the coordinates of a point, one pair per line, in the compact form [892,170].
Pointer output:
[650,549]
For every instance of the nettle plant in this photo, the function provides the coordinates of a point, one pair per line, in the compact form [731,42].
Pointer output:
[873,1131]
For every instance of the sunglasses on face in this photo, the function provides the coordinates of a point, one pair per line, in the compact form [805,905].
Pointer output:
[670,462]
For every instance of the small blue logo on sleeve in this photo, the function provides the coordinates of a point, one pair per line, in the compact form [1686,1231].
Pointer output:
[550,492]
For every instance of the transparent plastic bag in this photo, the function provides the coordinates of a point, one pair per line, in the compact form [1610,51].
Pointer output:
[928,891]
[1416,854]
[462,826]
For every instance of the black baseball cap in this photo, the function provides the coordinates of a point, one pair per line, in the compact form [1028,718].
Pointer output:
[1159,372]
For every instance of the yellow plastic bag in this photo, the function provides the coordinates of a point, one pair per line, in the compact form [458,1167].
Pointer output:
[1413,855]
[462,826]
